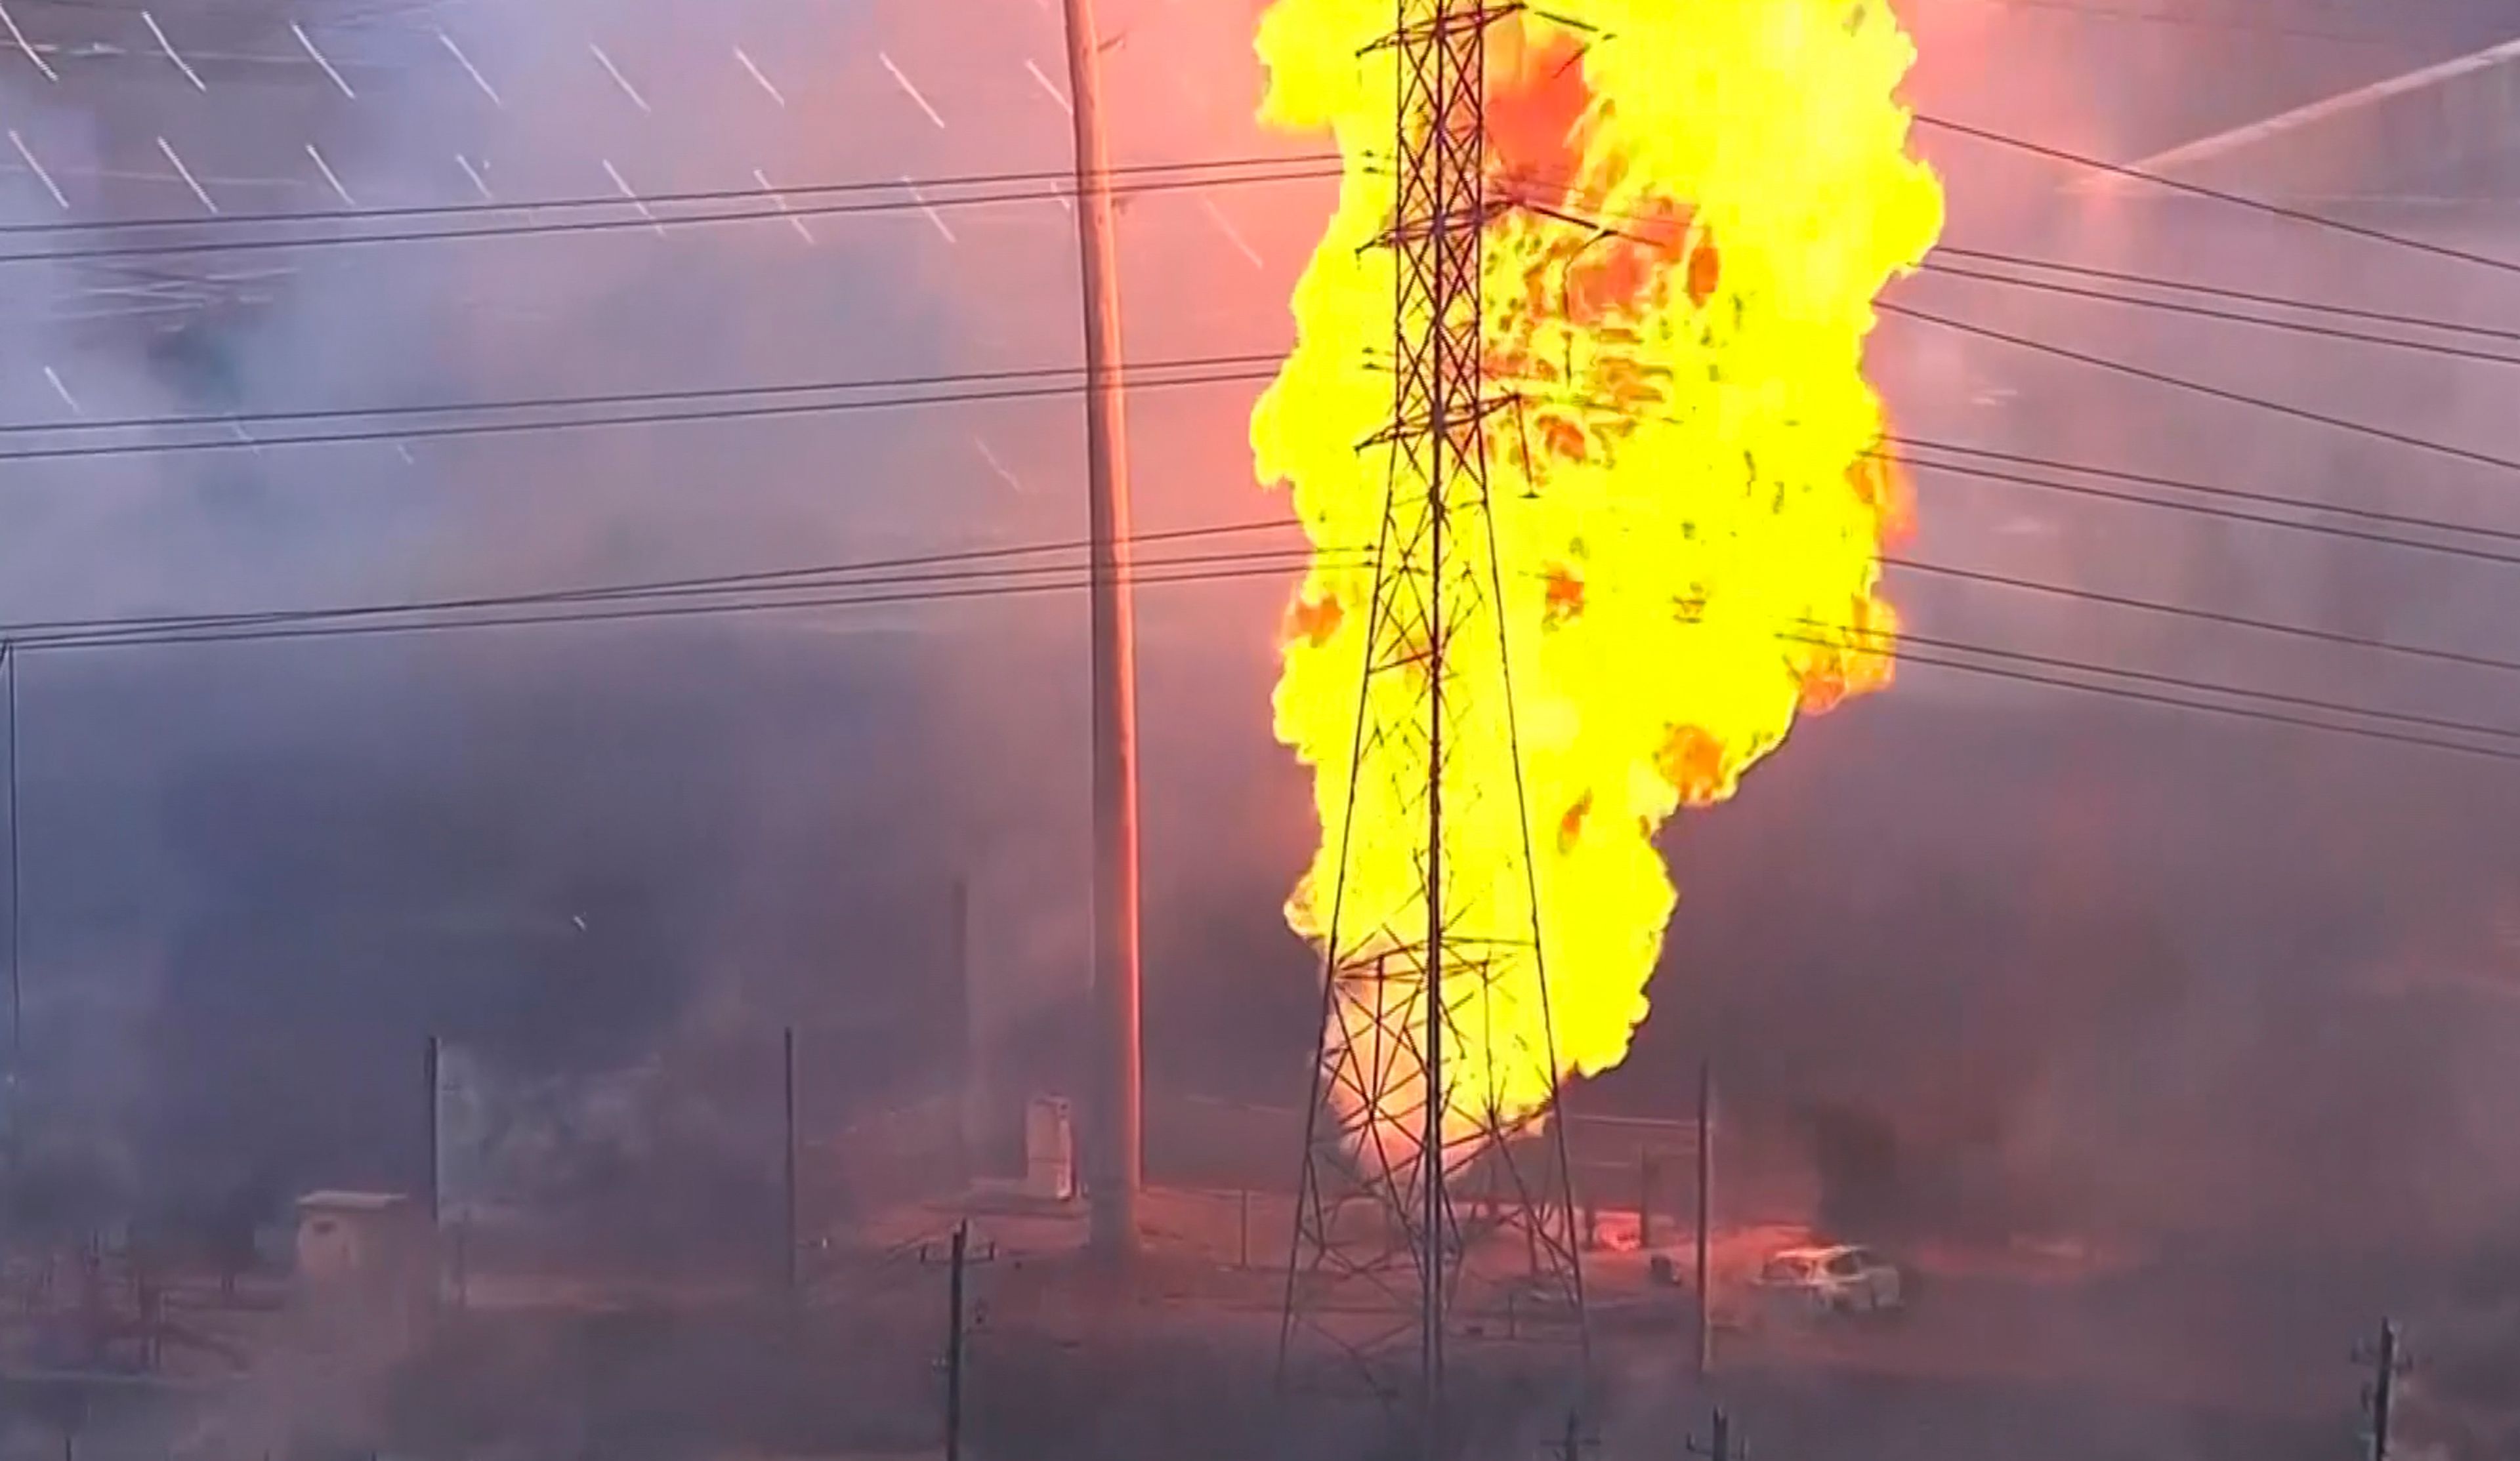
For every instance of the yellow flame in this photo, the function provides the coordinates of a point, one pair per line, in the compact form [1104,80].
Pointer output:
[1689,506]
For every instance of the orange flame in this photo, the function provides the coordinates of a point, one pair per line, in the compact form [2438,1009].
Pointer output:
[1690,506]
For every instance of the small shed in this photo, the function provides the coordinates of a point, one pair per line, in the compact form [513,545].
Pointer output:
[346,1235]
[366,1260]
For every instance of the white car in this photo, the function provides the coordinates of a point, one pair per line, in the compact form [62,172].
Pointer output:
[1839,1279]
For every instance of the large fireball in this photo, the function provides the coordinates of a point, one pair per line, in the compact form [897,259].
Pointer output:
[1688,503]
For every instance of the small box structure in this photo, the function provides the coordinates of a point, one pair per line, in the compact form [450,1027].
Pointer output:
[1050,1150]
[366,1266]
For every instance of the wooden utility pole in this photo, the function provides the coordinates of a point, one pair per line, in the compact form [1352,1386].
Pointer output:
[1645,1198]
[432,1168]
[792,1237]
[1706,1221]
[1114,1150]
[1719,1445]
[957,1262]
[954,1345]
[2388,1362]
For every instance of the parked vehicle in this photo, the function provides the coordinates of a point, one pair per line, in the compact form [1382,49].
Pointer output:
[1838,1279]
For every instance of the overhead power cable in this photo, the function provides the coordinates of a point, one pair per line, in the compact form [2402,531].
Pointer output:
[2382,515]
[2203,615]
[2241,711]
[747,593]
[2152,678]
[776,400]
[2220,393]
[2191,19]
[2198,189]
[681,396]
[914,197]
[34,629]
[743,404]
[2220,292]
[2208,509]
[2228,316]
[939,587]
[1054,182]
[988,584]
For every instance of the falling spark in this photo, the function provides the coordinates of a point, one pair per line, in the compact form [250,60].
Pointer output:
[904,83]
[618,79]
[169,47]
[1233,236]
[64,392]
[480,185]
[1000,468]
[19,38]
[309,42]
[470,69]
[38,168]
[1685,526]
[168,149]
[635,200]
[332,177]
[1050,86]
[757,74]
[929,209]
[780,199]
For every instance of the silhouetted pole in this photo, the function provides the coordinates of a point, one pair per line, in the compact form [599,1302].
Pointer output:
[1706,1222]
[432,1059]
[1719,1447]
[17,988]
[788,1215]
[1114,1151]
[2387,1364]
[1645,1198]
[954,1342]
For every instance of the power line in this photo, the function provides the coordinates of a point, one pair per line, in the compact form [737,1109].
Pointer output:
[2171,701]
[2204,615]
[2217,392]
[1284,559]
[2235,199]
[31,630]
[537,228]
[678,395]
[2213,490]
[2193,22]
[557,608]
[2222,292]
[1056,181]
[2203,686]
[1201,370]
[2206,311]
[1138,381]
[938,592]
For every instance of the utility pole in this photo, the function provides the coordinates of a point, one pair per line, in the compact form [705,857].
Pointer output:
[1645,1198]
[788,1224]
[1706,1221]
[954,1344]
[2388,1361]
[17,988]
[959,1261]
[431,1195]
[1115,1152]
[1719,1445]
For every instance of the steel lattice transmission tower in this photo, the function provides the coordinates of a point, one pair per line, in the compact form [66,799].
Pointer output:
[1415,1216]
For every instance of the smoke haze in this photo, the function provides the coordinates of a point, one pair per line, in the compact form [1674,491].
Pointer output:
[2011,959]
